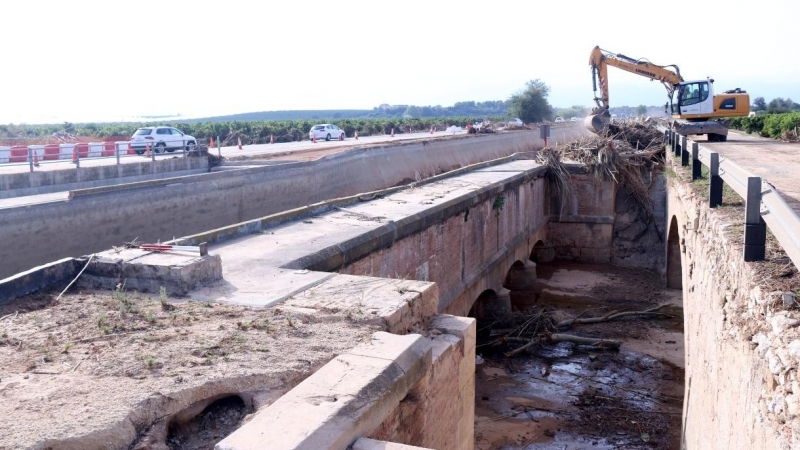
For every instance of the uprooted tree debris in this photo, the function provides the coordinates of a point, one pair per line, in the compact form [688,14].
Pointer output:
[627,153]
[537,326]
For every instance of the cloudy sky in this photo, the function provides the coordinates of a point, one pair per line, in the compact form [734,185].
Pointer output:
[111,60]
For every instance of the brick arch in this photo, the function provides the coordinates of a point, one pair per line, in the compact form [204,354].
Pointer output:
[537,252]
[674,268]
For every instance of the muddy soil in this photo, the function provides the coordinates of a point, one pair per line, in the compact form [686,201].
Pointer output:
[203,432]
[93,360]
[566,396]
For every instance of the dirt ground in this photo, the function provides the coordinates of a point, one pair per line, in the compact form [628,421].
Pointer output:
[567,396]
[103,360]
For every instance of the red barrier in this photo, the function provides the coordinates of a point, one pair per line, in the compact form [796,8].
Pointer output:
[109,149]
[83,150]
[18,154]
[51,152]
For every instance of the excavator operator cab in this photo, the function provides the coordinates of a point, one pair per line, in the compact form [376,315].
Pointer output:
[693,98]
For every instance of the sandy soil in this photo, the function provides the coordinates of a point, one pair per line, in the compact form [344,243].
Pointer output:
[563,396]
[117,361]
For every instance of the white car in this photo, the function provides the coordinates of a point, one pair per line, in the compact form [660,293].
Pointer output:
[574,119]
[161,139]
[326,131]
[515,123]
[559,119]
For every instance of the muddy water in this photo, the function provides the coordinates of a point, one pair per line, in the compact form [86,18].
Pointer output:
[563,396]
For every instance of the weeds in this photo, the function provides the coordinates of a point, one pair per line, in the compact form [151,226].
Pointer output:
[150,362]
[67,347]
[102,323]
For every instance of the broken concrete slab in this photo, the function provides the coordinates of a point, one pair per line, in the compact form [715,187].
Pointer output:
[144,271]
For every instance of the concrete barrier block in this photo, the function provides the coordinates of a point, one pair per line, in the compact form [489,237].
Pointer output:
[144,271]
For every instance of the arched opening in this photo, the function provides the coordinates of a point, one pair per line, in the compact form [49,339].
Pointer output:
[520,281]
[542,254]
[674,269]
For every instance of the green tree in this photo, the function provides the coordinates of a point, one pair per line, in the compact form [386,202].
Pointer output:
[759,104]
[641,110]
[531,104]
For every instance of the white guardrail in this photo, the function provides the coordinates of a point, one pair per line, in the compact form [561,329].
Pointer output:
[764,205]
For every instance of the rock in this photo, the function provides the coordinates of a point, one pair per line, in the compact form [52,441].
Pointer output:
[775,366]
[786,360]
[794,348]
[478,360]
[781,323]
[793,404]
[763,343]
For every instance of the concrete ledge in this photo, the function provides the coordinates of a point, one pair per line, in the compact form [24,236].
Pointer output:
[372,444]
[347,398]
[94,177]
[37,278]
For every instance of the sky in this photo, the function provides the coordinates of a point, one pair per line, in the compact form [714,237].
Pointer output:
[77,61]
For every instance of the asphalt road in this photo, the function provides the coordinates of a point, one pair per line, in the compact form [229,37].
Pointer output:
[777,162]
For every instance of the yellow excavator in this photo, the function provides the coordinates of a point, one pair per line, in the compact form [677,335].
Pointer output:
[693,104]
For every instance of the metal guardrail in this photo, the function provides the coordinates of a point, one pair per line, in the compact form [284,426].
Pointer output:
[764,206]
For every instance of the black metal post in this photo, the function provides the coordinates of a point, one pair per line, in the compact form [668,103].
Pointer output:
[755,229]
[715,185]
[696,165]
[684,152]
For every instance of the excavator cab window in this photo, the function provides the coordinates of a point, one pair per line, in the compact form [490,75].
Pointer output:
[692,93]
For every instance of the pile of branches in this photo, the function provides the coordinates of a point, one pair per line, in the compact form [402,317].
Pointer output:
[627,153]
[536,326]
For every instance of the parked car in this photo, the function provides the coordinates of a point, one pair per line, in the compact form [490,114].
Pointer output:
[326,131]
[515,123]
[559,119]
[574,119]
[161,139]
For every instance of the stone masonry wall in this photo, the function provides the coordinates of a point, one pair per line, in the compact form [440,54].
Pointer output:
[582,221]
[598,222]
[439,411]
[468,252]
[742,349]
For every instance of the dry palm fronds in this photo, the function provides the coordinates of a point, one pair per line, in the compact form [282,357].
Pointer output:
[628,154]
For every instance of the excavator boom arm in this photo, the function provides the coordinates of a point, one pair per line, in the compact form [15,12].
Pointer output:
[600,59]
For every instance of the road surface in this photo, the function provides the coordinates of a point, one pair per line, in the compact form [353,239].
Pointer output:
[775,161]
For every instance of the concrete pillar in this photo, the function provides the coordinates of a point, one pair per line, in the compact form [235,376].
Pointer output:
[521,278]
[498,305]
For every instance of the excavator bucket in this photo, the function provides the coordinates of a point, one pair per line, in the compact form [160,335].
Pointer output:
[597,122]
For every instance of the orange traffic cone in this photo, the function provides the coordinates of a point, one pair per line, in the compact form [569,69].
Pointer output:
[392,132]
[147,153]
[356,135]
[431,130]
[314,138]
[35,159]
[74,153]
[240,143]
[271,139]
[211,142]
